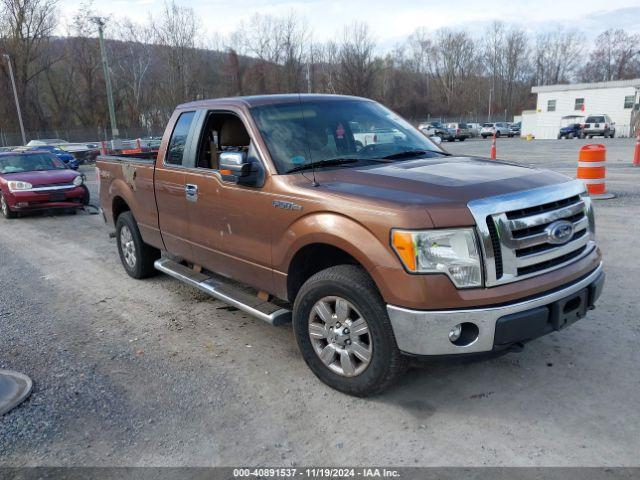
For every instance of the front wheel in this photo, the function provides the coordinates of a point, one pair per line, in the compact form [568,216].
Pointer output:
[136,256]
[343,331]
[4,208]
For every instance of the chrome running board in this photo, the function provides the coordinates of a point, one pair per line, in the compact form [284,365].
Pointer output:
[226,292]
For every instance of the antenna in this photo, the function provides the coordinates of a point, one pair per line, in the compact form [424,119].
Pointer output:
[304,122]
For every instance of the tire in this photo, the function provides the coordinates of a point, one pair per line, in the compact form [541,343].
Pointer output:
[497,134]
[559,137]
[463,139]
[4,208]
[136,256]
[570,136]
[484,137]
[352,287]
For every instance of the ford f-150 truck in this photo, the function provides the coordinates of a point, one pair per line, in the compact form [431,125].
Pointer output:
[376,253]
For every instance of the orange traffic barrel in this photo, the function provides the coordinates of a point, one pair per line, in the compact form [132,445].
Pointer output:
[592,170]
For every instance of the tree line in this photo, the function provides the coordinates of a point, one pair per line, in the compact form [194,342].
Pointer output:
[168,59]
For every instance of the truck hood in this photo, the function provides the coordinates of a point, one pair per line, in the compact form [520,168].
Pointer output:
[435,183]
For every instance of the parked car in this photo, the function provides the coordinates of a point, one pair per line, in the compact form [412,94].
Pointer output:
[457,131]
[364,137]
[514,129]
[500,129]
[474,129]
[83,152]
[67,158]
[434,129]
[573,130]
[396,249]
[599,125]
[38,180]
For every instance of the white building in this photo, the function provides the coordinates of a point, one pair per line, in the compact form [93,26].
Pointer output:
[559,105]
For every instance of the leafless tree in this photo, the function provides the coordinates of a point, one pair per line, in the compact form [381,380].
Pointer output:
[357,65]
[557,56]
[616,56]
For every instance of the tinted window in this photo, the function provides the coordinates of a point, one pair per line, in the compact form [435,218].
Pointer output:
[178,141]
[599,119]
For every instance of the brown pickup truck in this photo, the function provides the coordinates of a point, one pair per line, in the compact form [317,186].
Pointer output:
[375,252]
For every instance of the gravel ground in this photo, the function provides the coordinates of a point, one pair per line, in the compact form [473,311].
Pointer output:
[155,373]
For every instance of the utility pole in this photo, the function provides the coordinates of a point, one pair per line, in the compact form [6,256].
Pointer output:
[15,96]
[489,114]
[107,77]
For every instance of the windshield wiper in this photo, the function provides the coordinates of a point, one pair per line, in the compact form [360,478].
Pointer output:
[411,153]
[323,163]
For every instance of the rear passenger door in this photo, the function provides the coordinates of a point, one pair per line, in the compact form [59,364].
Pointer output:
[171,192]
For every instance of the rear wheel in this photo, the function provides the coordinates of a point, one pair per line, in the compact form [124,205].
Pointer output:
[136,256]
[570,136]
[462,139]
[497,134]
[343,331]
[4,208]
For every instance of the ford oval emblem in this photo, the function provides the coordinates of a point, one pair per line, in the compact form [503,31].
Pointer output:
[559,232]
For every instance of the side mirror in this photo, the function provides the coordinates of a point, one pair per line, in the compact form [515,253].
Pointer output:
[234,164]
[436,140]
[240,168]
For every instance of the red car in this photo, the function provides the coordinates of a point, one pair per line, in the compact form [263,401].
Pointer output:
[38,180]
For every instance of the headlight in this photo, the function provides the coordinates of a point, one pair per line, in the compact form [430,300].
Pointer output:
[16,186]
[451,251]
[589,213]
[78,181]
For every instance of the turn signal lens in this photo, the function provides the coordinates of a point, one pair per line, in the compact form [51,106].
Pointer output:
[403,244]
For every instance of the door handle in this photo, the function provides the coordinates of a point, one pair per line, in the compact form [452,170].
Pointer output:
[191,192]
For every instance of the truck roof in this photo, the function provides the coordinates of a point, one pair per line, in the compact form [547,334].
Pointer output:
[275,99]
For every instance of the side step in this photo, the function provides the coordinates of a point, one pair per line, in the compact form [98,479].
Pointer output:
[226,292]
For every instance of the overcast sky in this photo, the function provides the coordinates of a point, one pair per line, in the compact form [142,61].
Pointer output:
[392,20]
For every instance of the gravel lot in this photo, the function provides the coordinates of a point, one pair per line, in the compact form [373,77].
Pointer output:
[155,373]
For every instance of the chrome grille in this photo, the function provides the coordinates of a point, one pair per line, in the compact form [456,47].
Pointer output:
[514,231]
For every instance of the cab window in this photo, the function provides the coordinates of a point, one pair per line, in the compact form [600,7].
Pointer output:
[222,132]
[175,151]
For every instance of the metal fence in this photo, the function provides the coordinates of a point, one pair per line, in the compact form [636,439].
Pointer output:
[80,135]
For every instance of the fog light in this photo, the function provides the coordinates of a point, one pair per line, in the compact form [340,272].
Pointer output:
[455,333]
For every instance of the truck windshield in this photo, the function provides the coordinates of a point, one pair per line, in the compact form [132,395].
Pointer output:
[315,131]
[29,163]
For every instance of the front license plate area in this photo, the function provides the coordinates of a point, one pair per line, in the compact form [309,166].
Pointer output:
[569,310]
[57,197]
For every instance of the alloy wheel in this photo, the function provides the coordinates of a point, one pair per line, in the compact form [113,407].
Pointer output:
[340,336]
[128,246]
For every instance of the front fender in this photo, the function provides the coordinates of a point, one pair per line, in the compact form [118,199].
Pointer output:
[370,249]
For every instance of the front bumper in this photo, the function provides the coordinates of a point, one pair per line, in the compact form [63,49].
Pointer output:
[22,201]
[421,332]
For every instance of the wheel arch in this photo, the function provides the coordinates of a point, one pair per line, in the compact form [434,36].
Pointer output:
[322,240]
